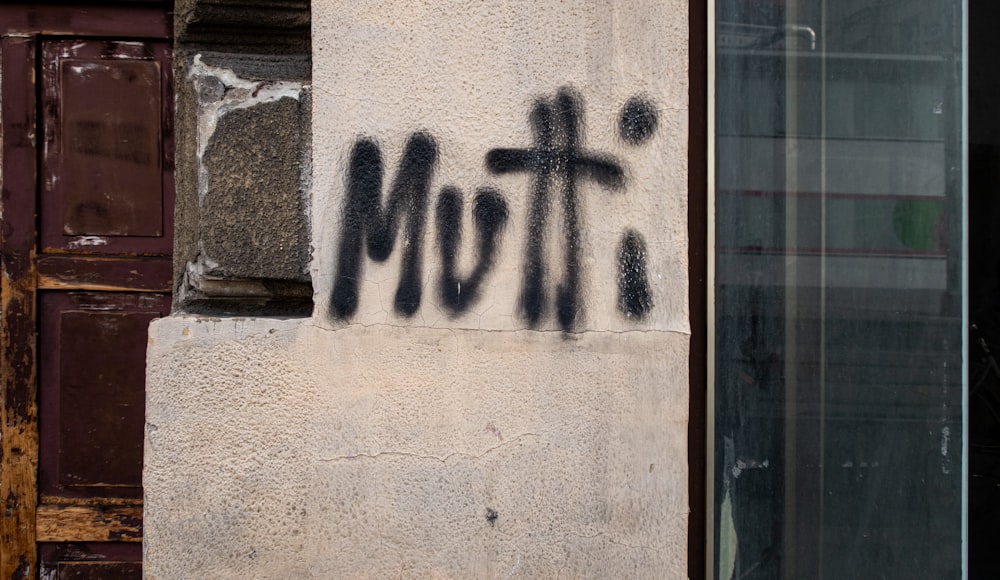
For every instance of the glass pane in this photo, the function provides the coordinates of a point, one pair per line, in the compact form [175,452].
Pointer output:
[839,289]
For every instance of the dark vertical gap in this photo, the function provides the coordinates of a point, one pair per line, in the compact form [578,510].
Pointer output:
[984,290]
[697,276]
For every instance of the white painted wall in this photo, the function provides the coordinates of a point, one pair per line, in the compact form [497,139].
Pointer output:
[378,445]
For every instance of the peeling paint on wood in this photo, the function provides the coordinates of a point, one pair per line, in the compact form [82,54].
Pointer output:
[78,523]
[26,269]
[19,444]
[46,499]
[94,273]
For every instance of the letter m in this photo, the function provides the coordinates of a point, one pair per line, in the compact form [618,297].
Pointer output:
[365,220]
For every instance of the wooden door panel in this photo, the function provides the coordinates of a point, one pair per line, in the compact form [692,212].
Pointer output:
[107,274]
[101,405]
[93,522]
[108,135]
[99,571]
[90,561]
[106,185]
[92,391]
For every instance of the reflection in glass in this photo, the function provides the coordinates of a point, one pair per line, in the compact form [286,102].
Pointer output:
[838,302]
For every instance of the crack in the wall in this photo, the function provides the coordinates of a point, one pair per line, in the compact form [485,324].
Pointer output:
[571,335]
[315,324]
[441,459]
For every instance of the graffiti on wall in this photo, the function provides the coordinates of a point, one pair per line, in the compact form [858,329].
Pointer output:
[489,216]
[557,163]
[555,159]
[366,221]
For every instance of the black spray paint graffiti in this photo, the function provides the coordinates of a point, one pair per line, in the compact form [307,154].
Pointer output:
[637,122]
[555,159]
[633,285]
[364,220]
[489,216]
[558,164]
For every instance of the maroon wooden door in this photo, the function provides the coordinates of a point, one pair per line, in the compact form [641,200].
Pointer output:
[85,240]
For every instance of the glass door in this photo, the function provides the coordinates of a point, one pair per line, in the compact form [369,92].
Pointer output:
[838,313]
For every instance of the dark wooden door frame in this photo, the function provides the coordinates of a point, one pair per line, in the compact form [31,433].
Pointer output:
[698,103]
[698,216]
[21,27]
[19,438]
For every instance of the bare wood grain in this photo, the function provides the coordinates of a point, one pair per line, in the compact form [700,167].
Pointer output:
[80,523]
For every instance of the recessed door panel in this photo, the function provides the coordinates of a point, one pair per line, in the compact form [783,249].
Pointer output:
[99,571]
[106,185]
[93,391]
[110,143]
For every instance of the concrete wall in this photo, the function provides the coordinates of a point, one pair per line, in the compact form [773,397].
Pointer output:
[494,380]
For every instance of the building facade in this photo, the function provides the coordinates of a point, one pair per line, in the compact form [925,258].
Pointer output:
[640,288]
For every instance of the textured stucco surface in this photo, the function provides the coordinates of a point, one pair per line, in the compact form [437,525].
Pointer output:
[279,449]
[441,445]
